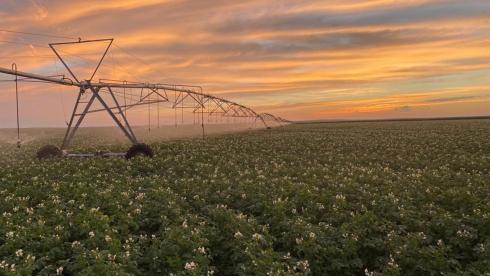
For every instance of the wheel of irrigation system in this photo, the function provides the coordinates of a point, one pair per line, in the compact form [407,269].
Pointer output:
[48,152]
[139,150]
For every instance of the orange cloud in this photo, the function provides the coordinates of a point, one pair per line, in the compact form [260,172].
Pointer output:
[299,59]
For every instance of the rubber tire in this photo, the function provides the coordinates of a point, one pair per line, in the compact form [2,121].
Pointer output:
[49,152]
[139,150]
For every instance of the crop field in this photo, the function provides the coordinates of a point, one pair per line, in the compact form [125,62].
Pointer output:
[368,198]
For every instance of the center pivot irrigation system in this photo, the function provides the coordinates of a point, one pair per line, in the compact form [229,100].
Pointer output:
[117,97]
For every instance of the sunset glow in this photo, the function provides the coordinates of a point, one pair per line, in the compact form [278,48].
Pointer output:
[301,60]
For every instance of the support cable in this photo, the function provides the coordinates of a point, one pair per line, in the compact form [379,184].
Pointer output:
[149,113]
[202,116]
[125,101]
[158,114]
[36,34]
[175,108]
[14,68]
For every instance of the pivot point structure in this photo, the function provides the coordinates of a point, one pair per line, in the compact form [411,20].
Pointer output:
[113,97]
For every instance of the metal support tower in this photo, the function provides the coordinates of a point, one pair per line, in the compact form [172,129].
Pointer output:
[110,93]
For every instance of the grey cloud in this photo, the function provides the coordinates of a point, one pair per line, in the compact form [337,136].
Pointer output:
[376,17]
[278,48]
[184,15]
[469,61]
[452,99]
[404,108]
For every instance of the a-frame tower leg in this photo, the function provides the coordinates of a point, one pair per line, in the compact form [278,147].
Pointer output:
[80,116]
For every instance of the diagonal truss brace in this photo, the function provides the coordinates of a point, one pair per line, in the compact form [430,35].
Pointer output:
[73,126]
[53,47]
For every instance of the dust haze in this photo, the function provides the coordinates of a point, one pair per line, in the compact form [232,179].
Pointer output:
[113,135]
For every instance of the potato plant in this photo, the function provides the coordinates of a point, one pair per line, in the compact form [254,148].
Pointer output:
[379,198]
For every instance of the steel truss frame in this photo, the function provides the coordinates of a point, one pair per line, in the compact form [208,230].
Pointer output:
[150,94]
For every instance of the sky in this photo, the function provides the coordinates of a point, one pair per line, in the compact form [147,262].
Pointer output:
[298,59]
